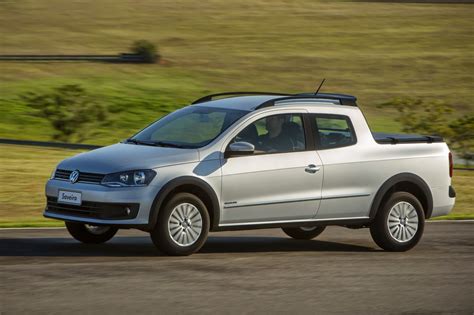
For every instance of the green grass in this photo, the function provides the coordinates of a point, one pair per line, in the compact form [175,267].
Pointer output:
[22,199]
[464,166]
[373,50]
[24,171]
[455,217]
[38,224]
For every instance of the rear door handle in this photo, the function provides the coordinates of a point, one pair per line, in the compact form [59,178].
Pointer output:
[312,169]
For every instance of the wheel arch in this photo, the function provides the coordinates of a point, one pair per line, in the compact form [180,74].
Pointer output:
[191,185]
[407,182]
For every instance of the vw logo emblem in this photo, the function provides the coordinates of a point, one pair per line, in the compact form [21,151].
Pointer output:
[74,176]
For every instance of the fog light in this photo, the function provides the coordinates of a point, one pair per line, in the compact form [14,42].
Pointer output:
[128,210]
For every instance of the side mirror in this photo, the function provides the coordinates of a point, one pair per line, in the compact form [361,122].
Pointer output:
[240,148]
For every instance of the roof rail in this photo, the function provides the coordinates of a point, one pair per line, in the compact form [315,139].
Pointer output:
[209,97]
[343,99]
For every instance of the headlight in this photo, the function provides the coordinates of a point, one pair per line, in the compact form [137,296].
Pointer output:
[129,178]
[53,173]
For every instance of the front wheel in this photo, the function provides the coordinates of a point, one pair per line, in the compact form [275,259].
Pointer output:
[183,225]
[304,233]
[399,224]
[90,234]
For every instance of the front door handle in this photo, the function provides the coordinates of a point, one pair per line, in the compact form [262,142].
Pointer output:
[312,169]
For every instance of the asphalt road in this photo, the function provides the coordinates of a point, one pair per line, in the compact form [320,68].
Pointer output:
[45,271]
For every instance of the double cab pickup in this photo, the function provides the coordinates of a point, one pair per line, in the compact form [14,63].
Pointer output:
[246,160]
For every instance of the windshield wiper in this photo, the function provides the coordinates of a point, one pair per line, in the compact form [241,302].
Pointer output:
[140,142]
[155,143]
[168,144]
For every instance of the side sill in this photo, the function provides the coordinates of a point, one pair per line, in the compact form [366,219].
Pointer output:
[280,224]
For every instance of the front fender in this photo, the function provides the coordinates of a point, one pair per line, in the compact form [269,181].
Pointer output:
[180,181]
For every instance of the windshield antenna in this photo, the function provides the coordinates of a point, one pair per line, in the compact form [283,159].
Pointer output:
[322,82]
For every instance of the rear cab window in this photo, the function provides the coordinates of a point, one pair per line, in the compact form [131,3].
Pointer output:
[333,131]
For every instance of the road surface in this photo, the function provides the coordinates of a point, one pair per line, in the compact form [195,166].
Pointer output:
[45,271]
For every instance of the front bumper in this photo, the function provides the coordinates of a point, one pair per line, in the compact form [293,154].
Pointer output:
[94,210]
[124,206]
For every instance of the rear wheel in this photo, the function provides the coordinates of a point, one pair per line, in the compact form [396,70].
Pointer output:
[304,233]
[183,225]
[399,224]
[90,234]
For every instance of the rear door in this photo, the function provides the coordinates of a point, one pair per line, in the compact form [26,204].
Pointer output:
[281,182]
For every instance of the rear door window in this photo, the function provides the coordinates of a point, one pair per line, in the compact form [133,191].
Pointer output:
[333,131]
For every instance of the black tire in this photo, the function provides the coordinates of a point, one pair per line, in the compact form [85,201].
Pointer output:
[161,234]
[299,233]
[84,234]
[379,228]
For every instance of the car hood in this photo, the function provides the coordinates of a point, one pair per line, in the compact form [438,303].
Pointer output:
[123,156]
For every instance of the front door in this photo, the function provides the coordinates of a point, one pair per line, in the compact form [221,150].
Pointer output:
[280,182]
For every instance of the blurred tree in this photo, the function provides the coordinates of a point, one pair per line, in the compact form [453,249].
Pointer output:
[421,116]
[69,110]
[463,137]
[435,118]
[146,49]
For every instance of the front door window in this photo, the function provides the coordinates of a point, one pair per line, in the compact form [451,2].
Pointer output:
[275,134]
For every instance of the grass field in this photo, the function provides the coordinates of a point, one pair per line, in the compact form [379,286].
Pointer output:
[22,197]
[374,50]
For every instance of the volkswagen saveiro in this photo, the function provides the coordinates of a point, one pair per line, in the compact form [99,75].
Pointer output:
[248,160]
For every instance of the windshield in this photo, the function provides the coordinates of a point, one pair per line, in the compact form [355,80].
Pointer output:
[190,127]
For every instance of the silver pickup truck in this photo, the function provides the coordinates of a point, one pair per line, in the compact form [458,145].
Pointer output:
[247,160]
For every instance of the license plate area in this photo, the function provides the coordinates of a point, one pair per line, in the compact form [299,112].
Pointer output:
[70,197]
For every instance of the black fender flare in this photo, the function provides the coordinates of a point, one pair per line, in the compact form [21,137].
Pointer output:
[179,181]
[392,181]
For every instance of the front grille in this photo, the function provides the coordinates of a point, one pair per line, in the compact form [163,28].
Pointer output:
[91,178]
[95,210]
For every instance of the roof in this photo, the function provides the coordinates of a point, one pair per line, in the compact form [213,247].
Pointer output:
[247,103]
[256,100]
